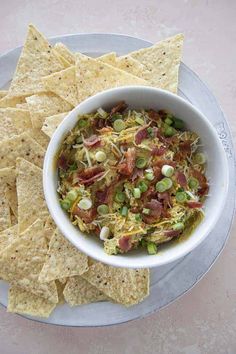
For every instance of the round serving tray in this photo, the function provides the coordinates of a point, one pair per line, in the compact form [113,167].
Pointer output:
[168,282]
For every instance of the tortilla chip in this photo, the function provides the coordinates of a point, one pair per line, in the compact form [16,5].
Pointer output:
[60,289]
[36,60]
[21,122]
[94,76]
[14,219]
[31,202]
[63,84]
[65,52]
[45,105]
[3,93]
[8,101]
[50,224]
[125,286]
[63,260]
[62,59]
[7,130]
[24,302]
[20,146]
[8,195]
[79,291]
[161,62]
[22,261]
[8,236]
[51,123]
[108,58]
[130,65]
[22,106]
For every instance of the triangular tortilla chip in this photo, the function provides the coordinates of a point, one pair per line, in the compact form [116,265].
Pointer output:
[65,53]
[63,84]
[36,60]
[8,236]
[50,224]
[125,286]
[63,260]
[20,146]
[8,183]
[7,130]
[130,65]
[79,291]
[51,123]
[5,213]
[161,62]
[24,302]
[108,58]
[3,93]
[22,106]
[45,105]
[8,101]
[94,76]
[22,261]
[31,202]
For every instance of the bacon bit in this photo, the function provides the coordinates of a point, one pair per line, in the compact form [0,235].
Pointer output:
[192,204]
[125,243]
[86,215]
[137,174]
[181,179]
[92,141]
[163,162]
[89,175]
[62,162]
[119,107]
[203,190]
[154,115]
[135,209]
[157,174]
[158,151]
[199,176]
[165,196]
[172,233]
[185,146]
[101,196]
[141,134]
[151,192]
[127,167]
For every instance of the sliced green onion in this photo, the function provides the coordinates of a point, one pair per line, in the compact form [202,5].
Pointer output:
[200,158]
[102,113]
[141,162]
[146,211]
[167,182]
[169,131]
[116,116]
[167,170]
[143,186]
[143,243]
[168,121]
[124,211]
[72,195]
[149,176]
[65,204]
[100,156]
[178,123]
[150,132]
[181,197]
[138,217]
[73,167]
[137,193]
[151,248]
[178,226]
[85,203]
[120,197]
[79,140]
[193,183]
[82,123]
[104,233]
[160,187]
[139,120]
[119,125]
[102,209]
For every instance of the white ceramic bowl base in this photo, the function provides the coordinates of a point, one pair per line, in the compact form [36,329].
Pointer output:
[217,171]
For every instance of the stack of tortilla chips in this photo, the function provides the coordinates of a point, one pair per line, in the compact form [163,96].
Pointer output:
[41,266]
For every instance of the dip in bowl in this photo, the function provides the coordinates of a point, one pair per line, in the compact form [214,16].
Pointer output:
[127,172]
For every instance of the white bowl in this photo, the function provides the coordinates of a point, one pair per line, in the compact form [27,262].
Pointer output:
[217,171]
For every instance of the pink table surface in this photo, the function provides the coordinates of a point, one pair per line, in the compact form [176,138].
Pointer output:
[204,320]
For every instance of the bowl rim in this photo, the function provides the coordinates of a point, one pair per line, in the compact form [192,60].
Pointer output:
[121,260]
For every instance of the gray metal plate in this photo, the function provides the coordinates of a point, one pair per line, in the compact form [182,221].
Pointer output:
[167,282]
